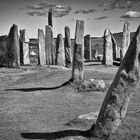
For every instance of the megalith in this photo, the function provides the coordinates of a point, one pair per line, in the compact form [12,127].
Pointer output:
[78,53]
[49,46]
[60,52]
[41,45]
[67,46]
[13,48]
[24,47]
[116,52]
[107,48]
[87,49]
[50,18]
[125,39]
[115,104]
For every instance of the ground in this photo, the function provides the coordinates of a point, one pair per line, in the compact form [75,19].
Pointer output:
[32,100]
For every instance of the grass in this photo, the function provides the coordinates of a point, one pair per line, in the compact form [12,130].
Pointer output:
[48,110]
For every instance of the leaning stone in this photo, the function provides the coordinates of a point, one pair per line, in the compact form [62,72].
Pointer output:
[13,48]
[67,44]
[125,40]
[87,44]
[41,44]
[60,53]
[107,48]
[116,102]
[78,53]
[49,46]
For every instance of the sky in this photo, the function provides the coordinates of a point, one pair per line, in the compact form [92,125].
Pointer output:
[97,15]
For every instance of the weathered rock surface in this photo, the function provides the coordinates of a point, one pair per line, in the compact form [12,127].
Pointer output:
[13,56]
[87,50]
[107,48]
[24,48]
[78,53]
[67,45]
[60,52]
[49,46]
[41,44]
[125,40]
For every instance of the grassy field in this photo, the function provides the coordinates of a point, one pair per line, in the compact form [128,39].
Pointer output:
[30,101]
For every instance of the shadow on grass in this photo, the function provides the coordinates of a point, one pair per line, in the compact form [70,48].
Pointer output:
[56,135]
[40,88]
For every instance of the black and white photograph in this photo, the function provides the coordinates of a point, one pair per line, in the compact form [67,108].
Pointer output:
[70,69]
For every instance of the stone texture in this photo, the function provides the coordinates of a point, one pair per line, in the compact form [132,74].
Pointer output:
[67,44]
[41,44]
[78,53]
[60,52]
[95,54]
[116,102]
[24,47]
[3,50]
[107,48]
[50,18]
[92,85]
[13,55]
[87,44]
[49,46]
[125,40]
[115,48]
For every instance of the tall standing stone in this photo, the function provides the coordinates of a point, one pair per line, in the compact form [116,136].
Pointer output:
[41,44]
[13,48]
[125,40]
[50,18]
[115,48]
[87,44]
[49,46]
[78,53]
[114,107]
[107,48]
[60,52]
[67,44]
[24,47]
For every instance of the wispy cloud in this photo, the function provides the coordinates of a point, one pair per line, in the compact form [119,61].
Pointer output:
[37,13]
[41,9]
[131,15]
[101,18]
[85,11]
[118,4]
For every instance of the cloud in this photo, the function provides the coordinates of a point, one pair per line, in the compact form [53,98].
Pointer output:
[41,9]
[85,11]
[37,13]
[131,15]
[117,4]
[101,18]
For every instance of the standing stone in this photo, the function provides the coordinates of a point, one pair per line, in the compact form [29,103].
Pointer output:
[67,43]
[60,52]
[116,102]
[50,18]
[125,40]
[87,44]
[13,48]
[95,54]
[41,44]
[49,46]
[24,47]
[107,48]
[115,48]
[78,53]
